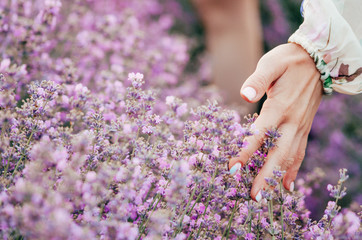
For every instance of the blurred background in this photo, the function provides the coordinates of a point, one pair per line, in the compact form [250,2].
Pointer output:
[227,39]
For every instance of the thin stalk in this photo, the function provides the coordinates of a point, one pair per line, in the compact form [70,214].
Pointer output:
[155,198]
[104,204]
[196,201]
[209,196]
[249,227]
[27,145]
[22,156]
[184,212]
[158,197]
[6,168]
[249,218]
[207,201]
[153,147]
[149,192]
[281,210]
[134,148]
[201,192]
[227,230]
[143,226]
[189,201]
[270,210]
[3,130]
[198,231]
[102,211]
[257,233]
[94,141]
[335,205]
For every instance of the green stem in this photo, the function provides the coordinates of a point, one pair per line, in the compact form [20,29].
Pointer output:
[158,197]
[257,233]
[189,201]
[281,210]
[6,168]
[27,145]
[249,227]
[154,200]
[149,192]
[184,212]
[227,230]
[102,211]
[104,204]
[201,192]
[210,188]
[196,201]
[270,210]
[134,147]
[198,231]
[3,130]
[22,156]
[207,201]
[143,226]
[335,205]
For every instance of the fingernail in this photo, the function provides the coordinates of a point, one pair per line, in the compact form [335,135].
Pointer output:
[235,168]
[258,196]
[291,187]
[249,93]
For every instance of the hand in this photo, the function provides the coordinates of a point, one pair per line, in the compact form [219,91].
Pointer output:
[287,74]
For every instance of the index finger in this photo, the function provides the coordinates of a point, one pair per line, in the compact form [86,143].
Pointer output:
[269,118]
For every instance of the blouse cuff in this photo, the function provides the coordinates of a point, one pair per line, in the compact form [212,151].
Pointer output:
[333,43]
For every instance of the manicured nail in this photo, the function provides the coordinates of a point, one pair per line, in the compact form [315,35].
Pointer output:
[258,196]
[235,168]
[249,93]
[291,187]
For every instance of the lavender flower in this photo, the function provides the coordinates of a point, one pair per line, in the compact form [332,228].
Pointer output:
[98,150]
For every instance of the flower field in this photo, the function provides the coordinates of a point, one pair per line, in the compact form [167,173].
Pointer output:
[105,134]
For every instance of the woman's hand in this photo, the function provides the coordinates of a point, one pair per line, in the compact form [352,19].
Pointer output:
[288,76]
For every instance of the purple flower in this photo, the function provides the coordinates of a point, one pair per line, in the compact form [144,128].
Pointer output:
[93,152]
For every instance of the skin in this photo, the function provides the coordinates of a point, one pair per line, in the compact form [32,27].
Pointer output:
[287,74]
[234,43]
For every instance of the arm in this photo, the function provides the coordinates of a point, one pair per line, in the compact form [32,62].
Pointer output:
[326,47]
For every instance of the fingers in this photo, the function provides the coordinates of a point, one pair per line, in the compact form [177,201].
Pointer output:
[279,156]
[268,118]
[292,111]
[291,174]
[268,70]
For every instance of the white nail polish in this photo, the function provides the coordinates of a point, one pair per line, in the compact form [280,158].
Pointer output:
[249,93]
[235,168]
[291,187]
[258,196]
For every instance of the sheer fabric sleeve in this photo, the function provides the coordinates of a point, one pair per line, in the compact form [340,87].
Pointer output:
[332,34]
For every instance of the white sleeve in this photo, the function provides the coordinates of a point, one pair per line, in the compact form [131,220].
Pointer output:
[332,34]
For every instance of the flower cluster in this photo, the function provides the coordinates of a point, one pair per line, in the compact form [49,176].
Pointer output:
[335,142]
[95,152]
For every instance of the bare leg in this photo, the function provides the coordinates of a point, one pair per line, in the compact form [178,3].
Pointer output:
[234,41]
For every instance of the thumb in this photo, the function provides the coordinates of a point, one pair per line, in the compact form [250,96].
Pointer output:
[267,71]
